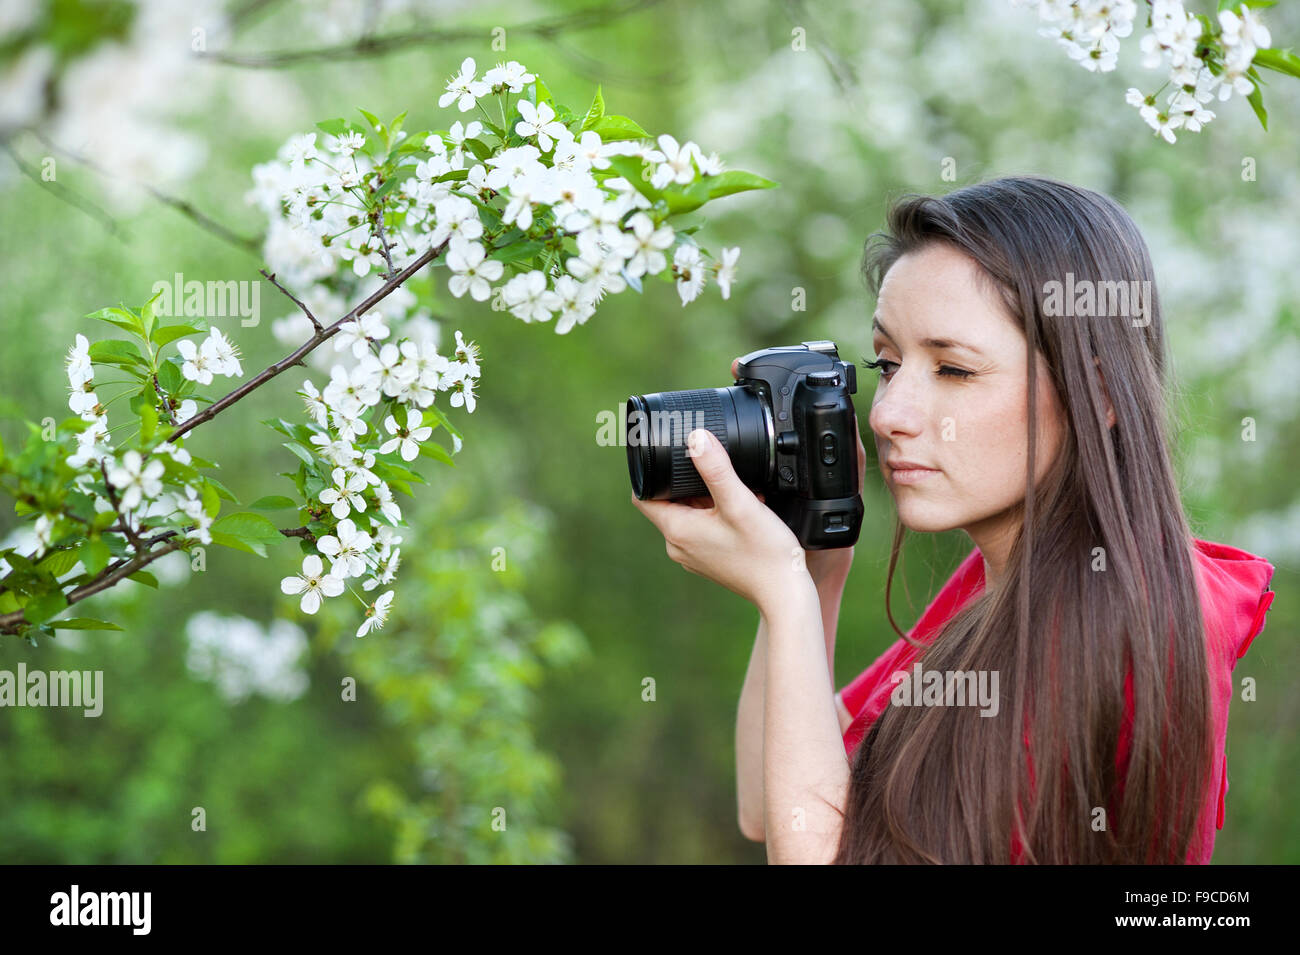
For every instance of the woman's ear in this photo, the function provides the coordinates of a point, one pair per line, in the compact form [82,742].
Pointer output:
[1110,409]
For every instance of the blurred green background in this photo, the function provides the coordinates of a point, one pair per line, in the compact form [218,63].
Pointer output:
[522,690]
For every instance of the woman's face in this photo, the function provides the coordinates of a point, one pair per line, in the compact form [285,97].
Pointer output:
[953,399]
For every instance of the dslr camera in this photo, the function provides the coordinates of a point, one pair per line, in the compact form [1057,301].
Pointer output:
[787,424]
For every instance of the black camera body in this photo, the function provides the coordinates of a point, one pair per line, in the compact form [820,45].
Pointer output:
[788,426]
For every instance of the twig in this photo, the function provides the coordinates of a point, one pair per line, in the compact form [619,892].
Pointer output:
[841,71]
[145,555]
[62,192]
[367,45]
[377,220]
[166,400]
[284,364]
[251,244]
[131,535]
[10,622]
[305,310]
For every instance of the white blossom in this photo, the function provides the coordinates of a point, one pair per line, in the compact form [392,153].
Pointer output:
[136,480]
[313,584]
[346,548]
[463,88]
[376,614]
[471,272]
[539,121]
[345,493]
[688,266]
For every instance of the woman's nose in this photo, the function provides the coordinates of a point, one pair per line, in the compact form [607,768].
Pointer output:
[896,410]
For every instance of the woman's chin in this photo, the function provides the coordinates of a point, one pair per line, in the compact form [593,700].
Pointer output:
[925,520]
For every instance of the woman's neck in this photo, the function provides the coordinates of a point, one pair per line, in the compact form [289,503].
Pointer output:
[995,537]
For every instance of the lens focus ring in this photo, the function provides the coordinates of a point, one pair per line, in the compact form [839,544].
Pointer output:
[686,411]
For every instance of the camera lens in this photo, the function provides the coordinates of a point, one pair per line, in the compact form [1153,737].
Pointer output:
[657,425]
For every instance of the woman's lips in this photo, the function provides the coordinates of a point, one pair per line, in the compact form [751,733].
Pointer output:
[905,472]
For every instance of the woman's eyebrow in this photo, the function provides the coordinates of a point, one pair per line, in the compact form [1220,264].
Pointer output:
[928,342]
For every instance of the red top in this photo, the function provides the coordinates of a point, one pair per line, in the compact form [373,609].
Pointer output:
[1233,587]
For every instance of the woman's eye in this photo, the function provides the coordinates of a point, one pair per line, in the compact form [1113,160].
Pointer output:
[887,368]
[950,371]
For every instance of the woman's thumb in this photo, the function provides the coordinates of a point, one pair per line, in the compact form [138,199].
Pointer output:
[714,466]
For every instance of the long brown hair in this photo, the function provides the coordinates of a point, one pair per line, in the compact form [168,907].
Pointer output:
[943,783]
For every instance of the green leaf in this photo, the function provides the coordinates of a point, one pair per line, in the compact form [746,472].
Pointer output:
[302,452]
[247,526]
[144,399]
[687,199]
[59,562]
[148,422]
[517,251]
[120,317]
[211,499]
[246,531]
[170,377]
[254,546]
[630,168]
[1235,5]
[44,606]
[389,472]
[736,180]
[146,578]
[273,502]
[397,179]
[166,334]
[222,490]
[1280,61]
[94,554]
[114,351]
[432,449]
[337,127]
[83,623]
[441,419]
[372,119]
[1256,101]
[538,93]
[146,313]
[594,112]
[612,127]
[480,149]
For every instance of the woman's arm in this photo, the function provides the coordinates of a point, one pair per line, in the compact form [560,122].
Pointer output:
[830,580]
[805,769]
[744,546]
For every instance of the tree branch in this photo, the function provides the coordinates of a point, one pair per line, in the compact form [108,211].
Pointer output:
[251,244]
[60,191]
[10,622]
[368,45]
[131,535]
[284,364]
[305,310]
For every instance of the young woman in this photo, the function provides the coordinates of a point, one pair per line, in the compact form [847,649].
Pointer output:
[1021,352]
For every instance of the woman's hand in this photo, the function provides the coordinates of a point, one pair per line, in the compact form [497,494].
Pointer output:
[831,564]
[737,542]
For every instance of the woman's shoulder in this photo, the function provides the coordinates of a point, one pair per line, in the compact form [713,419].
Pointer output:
[1233,585]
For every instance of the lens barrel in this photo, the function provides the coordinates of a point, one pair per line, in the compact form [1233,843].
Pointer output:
[656,427]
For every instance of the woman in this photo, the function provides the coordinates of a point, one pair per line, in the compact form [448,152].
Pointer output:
[1017,334]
